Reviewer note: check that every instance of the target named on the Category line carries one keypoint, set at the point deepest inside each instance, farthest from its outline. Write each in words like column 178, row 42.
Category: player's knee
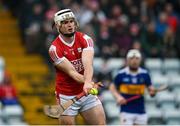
column 66, row 121
column 102, row 122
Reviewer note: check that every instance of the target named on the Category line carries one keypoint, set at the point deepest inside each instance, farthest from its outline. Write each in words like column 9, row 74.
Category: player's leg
column 127, row 119
column 141, row 119
column 68, row 116
column 92, row 111
column 94, row 116
column 67, row 120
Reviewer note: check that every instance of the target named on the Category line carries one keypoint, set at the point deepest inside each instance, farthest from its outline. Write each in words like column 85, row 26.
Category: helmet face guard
column 63, row 15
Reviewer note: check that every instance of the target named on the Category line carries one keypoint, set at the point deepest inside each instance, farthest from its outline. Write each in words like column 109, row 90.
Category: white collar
column 68, row 44
column 129, row 72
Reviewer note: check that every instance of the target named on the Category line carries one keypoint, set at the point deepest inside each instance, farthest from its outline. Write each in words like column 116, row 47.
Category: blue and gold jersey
column 130, row 84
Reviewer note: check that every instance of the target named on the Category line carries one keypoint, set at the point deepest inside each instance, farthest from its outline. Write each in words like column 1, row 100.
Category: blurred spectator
column 49, row 31
column 65, row 3
column 177, row 43
column 105, row 5
column 33, row 34
column 151, row 41
column 172, row 18
column 137, row 45
column 144, row 22
column 91, row 11
column 104, row 40
column 152, row 8
column 169, row 43
column 134, row 31
column 25, row 10
column 134, row 14
column 161, row 24
column 106, row 52
column 8, row 94
column 115, row 15
column 119, row 30
column 104, row 37
column 98, row 15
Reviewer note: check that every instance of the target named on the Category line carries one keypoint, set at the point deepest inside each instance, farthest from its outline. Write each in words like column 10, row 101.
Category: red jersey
column 59, row 50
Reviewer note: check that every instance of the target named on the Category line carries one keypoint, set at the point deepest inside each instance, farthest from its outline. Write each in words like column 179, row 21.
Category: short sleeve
column 148, row 80
column 87, row 43
column 117, row 80
column 55, row 55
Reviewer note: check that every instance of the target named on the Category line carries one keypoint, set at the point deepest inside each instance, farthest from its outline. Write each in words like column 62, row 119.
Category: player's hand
column 152, row 91
column 97, row 85
column 121, row 100
column 87, row 86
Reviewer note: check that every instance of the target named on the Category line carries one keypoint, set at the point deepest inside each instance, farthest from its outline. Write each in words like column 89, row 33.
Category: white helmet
column 133, row 53
column 63, row 15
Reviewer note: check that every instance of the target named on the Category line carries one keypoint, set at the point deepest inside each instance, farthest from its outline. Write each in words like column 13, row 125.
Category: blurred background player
column 130, row 81
column 72, row 54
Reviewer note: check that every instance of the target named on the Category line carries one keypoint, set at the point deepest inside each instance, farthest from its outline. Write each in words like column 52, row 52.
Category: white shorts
column 83, row 104
column 131, row 118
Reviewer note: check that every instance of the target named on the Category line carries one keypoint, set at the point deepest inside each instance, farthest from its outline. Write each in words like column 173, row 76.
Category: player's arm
column 87, row 60
column 151, row 90
column 114, row 91
column 119, row 98
column 64, row 64
column 149, row 85
column 68, row 68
